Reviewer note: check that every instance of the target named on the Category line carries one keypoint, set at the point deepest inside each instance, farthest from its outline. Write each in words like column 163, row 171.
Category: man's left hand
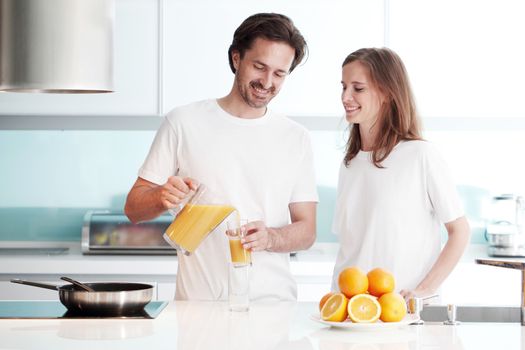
column 258, row 237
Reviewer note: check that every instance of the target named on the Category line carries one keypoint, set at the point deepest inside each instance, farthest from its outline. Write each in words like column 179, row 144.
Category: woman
column 394, row 190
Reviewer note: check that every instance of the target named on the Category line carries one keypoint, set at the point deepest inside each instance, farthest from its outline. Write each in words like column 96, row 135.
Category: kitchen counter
column 317, row 261
column 312, row 268
column 209, row 325
column 469, row 283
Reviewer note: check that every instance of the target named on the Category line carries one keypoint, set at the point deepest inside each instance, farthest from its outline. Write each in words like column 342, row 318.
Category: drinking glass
column 236, row 230
column 239, row 267
column 239, row 287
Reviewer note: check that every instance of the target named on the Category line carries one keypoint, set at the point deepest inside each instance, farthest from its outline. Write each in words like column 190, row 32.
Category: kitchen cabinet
column 135, row 73
column 13, row 291
column 157, row 270
column 166, row 290
column 196, row 38
column 453, row 56
column 164, row 56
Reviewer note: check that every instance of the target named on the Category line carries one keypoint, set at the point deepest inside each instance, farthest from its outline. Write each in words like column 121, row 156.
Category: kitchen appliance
column 54, row 309
column 505, row 231
column 106, row 232
column 56, row 46
column 107, row 298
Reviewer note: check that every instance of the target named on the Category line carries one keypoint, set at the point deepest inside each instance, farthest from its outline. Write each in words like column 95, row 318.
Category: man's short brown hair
column 270, row 26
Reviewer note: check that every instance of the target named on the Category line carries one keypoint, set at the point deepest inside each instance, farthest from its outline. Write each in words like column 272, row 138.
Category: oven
column 108, row 232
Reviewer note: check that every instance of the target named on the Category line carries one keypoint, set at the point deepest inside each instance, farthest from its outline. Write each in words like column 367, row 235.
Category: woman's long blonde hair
column 398, row 119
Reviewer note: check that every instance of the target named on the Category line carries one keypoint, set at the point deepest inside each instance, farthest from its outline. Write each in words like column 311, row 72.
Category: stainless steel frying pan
column 108, row 298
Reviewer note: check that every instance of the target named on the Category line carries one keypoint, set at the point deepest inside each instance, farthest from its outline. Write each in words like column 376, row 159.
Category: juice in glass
column 236, row 231
column 238, row 253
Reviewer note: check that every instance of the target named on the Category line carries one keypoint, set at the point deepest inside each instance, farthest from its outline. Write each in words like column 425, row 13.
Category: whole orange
column 352, row 281
column 393, row 307
column 380, row 281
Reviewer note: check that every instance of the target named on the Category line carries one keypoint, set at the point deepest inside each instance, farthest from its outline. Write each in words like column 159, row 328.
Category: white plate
column 408, row 319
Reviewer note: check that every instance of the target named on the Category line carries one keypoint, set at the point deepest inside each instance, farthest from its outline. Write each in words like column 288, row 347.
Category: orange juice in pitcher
column 194, row 222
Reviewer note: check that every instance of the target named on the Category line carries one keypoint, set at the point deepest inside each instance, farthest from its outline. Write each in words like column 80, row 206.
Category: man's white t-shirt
column 259, row 166
column 391, row 217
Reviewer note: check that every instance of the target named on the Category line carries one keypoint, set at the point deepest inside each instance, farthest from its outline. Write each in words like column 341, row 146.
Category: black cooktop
column 55, row 309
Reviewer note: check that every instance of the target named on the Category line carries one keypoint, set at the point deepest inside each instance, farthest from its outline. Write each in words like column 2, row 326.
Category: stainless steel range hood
column 56, row 46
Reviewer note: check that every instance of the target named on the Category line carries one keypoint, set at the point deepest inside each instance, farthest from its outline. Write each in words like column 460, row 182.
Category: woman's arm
column 458, row 239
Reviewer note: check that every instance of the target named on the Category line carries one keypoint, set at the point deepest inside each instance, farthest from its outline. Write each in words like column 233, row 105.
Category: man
column 250, row 158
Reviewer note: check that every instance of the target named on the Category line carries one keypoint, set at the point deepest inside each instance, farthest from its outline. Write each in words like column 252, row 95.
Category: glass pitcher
column 520, row 214
column 508, row 209
column 195, row 221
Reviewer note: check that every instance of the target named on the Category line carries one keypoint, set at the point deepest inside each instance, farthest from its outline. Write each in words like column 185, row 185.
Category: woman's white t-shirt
column 259, row 166
column 390, row 217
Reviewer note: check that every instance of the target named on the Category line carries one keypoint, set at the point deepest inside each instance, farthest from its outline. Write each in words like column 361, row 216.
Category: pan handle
column 36, row 284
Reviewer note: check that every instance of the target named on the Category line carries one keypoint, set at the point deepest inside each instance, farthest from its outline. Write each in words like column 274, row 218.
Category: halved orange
column 335, row 308
column 324, row 299
column 364, row 308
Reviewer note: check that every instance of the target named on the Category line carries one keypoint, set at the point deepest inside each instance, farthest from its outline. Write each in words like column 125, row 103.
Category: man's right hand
column 147, row 200
column 173, row 192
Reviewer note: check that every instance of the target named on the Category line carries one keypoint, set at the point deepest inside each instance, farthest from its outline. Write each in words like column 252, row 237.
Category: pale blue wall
column 49, row 179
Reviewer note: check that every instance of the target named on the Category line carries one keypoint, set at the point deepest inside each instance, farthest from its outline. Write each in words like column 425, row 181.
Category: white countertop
column 318, row 260
column 469, row 283
column 209, row 325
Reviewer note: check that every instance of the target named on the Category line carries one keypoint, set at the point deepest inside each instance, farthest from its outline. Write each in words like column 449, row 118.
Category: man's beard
column 255, row 102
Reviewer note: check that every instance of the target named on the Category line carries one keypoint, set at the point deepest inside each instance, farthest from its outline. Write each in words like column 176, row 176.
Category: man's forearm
column 299, row 235
column 142, row 204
